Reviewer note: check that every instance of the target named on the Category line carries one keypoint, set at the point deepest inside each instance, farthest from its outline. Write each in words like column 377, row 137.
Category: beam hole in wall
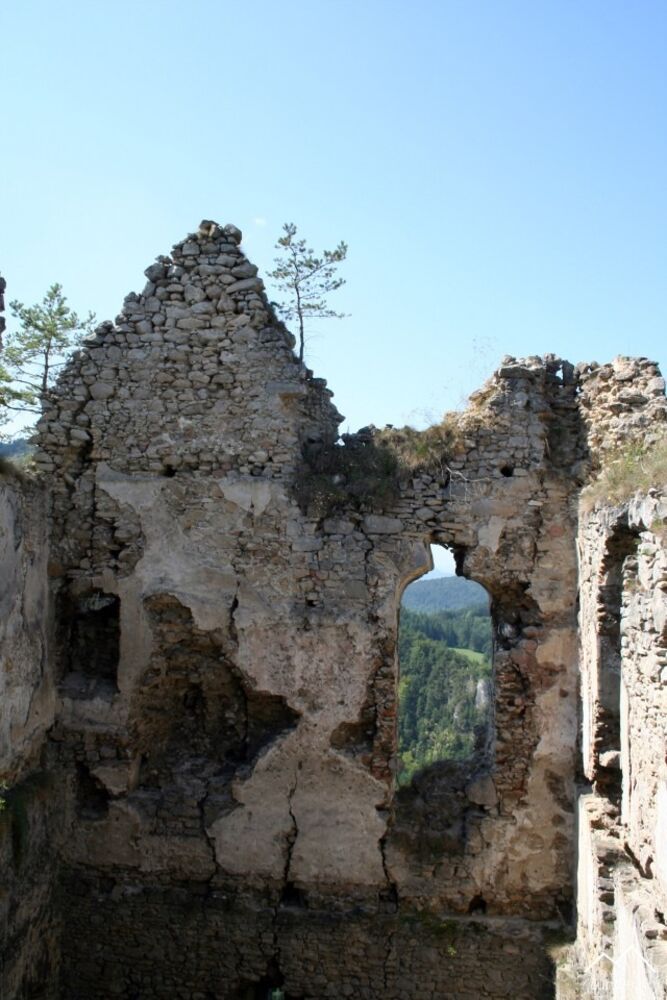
column 477, row 905
column 445, row 688
column 294, row 897
column 507, row 471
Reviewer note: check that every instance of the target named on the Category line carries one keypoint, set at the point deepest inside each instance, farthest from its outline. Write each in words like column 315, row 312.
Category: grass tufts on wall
column 634, row 468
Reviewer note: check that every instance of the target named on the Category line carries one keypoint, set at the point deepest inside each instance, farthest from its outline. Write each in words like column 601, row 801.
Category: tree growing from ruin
column 32, row 356
column 306, row 280
column 5, row 377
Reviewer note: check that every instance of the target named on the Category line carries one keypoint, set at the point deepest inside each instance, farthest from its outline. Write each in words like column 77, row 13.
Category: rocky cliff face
column 225, row 584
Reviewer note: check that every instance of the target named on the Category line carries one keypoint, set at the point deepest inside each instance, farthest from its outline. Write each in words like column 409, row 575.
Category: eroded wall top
column 196, row 375
column 621, row 402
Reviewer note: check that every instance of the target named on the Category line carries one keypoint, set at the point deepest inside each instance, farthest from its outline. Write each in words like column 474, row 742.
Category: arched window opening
column 445, row 688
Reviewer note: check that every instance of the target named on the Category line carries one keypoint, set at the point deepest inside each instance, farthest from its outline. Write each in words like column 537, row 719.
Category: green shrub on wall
column 626, row 471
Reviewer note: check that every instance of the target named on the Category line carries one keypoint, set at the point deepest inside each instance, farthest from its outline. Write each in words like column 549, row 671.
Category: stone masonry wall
column 225, row 586
column 162, row 942
column 174, row 442
column 621, row 946
column 620, row 402
column 30, row 917
column 29, row 825
column 27, row 689
column 226, row 648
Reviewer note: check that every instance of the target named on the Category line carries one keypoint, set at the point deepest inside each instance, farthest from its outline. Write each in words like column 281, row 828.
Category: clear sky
column 497, row 167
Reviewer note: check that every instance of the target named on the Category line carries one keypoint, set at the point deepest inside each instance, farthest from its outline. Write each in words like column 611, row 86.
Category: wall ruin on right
column 621, row 893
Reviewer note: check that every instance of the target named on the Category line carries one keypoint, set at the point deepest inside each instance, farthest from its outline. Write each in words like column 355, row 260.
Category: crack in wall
column 210, row 841
column 391, row 896
column 233, row 635
column 290, row 841
column 291, row 837
column 233, row 608
column 388, row 955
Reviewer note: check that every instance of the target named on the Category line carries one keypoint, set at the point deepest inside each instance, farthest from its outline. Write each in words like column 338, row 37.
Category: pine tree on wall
column 306, row 280
column 33, row 355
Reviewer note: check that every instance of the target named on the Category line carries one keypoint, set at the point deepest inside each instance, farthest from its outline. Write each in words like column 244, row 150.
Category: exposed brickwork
column 160, row 942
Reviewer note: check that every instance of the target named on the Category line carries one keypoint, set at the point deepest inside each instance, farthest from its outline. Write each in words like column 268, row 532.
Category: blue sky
column 497, row 169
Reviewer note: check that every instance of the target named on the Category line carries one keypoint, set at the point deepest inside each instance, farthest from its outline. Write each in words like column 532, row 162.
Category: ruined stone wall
column 226, row 637
column 161, row 942
column 471, row 847
column 29, row 824
column 621, row 946
column 27, row 690
column 620, row 402
column 225, row 585
column 30, row 916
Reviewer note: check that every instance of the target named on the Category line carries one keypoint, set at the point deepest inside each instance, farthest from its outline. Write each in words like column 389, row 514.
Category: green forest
column 443, row 656
column 444, row 593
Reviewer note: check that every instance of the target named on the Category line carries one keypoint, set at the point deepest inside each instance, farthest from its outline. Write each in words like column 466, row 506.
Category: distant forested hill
column 445, row 689
column 445, row 685
column 447, row 593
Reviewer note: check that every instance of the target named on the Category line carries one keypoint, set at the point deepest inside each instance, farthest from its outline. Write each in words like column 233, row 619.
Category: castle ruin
column 199, row 677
